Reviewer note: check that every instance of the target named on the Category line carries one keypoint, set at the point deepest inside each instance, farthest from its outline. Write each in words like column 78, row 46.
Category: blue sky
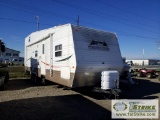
column 136, row 22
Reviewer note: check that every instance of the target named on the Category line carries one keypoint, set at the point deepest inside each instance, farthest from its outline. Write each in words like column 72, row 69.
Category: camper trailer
column 70, row 55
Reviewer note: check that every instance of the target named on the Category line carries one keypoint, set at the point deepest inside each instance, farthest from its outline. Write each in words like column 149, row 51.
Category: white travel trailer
column 71, row 55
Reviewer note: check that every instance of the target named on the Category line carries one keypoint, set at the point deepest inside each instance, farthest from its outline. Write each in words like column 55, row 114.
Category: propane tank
column 109, row 80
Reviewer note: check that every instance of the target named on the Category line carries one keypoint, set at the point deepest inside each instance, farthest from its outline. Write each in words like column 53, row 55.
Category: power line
column 142, row 4
column 124, row 33
column 23, row 21
column 90, row 23
column 16, row 5
column 100, row 14
column 102, row 2
column 138, row 36
column 77, row 7
column 120, row 33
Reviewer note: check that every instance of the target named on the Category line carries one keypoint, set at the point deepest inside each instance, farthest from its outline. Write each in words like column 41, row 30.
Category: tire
column 6, row 79
column 149, row 75
column 139, row 74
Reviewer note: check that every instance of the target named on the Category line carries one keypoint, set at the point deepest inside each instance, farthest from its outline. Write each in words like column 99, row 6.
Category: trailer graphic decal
column 45, row 63
column 51, row 66
column 67, row 58
column 98, row 45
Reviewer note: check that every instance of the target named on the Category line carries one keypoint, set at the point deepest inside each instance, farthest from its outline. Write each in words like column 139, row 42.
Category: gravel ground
column 23, row 101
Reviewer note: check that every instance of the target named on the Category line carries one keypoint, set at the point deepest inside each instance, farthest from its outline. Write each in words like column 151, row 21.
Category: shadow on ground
column 18, row 84
column 145, row 89
column 88, row 91
column 68, row 107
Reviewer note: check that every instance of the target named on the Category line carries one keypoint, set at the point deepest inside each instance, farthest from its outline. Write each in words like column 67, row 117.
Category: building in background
column 143, row 62
column 9, row 55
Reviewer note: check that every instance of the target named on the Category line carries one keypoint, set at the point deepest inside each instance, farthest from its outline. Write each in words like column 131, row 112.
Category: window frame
column 36, row 53
column 58, row 50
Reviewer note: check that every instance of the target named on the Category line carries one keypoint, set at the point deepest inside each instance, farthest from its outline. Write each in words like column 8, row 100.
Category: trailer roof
column 81, row 27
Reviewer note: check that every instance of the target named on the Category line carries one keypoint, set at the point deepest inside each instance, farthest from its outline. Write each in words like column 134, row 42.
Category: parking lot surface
column 22, row 100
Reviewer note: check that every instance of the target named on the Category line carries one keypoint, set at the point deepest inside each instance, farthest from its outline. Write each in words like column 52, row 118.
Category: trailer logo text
column 98, row 45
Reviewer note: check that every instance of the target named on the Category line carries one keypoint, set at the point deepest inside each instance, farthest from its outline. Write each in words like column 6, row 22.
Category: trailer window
column 36, row 53
column 58, row 50
column 42, row 48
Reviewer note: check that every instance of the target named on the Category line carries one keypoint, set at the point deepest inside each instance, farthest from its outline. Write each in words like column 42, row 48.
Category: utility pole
column 37, row 18
column 143, row 53
column 77, row 21
column 143, row 58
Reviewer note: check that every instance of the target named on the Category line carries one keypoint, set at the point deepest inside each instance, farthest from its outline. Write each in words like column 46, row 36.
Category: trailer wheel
column 149, row 75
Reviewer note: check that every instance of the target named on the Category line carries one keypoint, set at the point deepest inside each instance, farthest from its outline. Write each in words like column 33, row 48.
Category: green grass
column 15, row 71
column 17, row 74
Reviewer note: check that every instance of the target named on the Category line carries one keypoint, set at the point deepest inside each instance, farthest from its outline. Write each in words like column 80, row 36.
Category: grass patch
column 15, row 71
column 17, row 74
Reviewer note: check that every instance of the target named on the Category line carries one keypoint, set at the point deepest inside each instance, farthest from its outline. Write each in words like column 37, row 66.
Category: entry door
column 43, row 59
